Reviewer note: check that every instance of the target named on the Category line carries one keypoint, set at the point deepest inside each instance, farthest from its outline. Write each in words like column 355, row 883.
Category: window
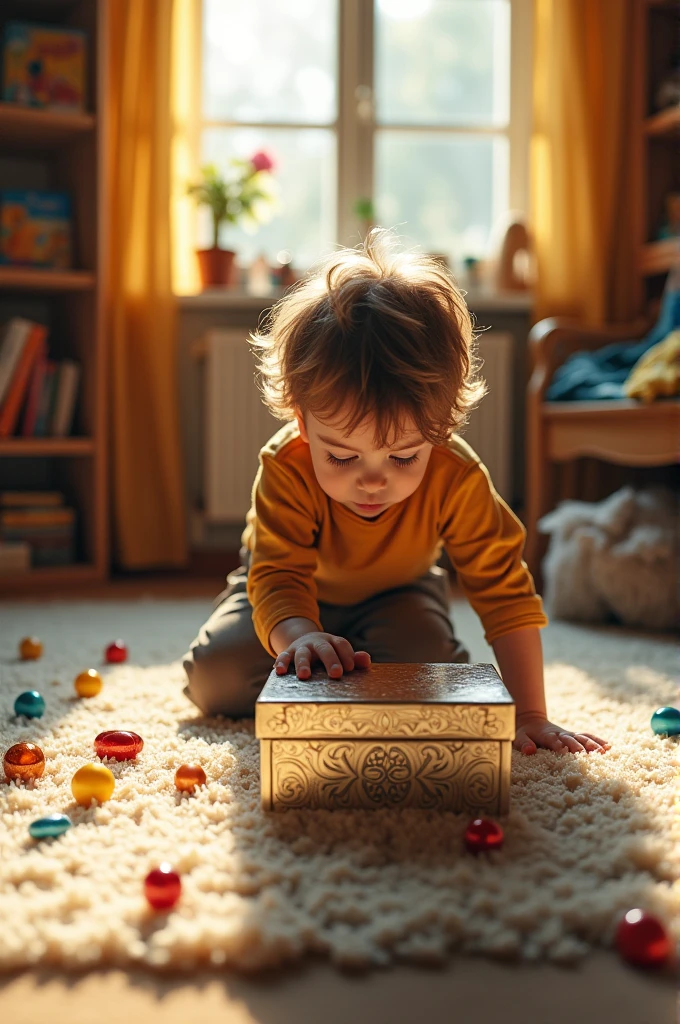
column 415, row 104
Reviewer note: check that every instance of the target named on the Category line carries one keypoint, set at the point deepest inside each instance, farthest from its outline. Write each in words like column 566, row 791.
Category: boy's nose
column 372, row 486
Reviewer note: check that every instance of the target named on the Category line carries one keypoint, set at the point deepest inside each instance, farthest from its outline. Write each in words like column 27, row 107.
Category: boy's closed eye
column 334, row 461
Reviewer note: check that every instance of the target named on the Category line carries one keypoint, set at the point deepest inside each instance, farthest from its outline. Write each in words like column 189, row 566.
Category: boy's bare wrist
column 530, row 714
column 287, row 630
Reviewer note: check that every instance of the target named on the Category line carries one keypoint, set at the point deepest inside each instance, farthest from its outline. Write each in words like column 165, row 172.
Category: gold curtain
column 148, row 497
column 580, row 160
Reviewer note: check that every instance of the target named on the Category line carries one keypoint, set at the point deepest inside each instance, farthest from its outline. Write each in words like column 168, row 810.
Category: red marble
column 188, row 776
column 24, row 761
column 641, row 939
column 116, row 652
column 118, row 744
column 483, row 834
column 162, row 887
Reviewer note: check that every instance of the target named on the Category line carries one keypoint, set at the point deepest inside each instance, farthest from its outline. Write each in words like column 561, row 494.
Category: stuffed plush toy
column 616, row 560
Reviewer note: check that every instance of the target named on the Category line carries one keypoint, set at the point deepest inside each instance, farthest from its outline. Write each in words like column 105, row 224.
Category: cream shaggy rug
column 588, row 836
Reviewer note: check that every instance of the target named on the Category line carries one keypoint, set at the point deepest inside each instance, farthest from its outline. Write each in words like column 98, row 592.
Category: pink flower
column 262, row 161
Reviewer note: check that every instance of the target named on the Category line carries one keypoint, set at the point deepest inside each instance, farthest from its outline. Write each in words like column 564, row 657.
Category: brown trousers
column 227, row 666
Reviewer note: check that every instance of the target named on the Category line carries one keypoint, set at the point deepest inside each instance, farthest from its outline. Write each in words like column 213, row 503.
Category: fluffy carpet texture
column 587, row 838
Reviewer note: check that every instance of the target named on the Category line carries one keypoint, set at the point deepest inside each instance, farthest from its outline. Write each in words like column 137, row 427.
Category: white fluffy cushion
column 616, row 558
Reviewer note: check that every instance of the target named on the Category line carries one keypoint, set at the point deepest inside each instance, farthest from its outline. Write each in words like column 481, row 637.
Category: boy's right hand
column 334, row 651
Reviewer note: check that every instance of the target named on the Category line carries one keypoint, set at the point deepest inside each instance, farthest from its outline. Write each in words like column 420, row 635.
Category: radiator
column 489, row 430
column 237, row 423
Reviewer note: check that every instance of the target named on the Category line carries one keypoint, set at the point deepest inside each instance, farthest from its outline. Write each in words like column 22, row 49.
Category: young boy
column 371, row 361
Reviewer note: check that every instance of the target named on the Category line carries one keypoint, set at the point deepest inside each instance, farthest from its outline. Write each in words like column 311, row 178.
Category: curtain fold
column 580, row 160
column 147, row 479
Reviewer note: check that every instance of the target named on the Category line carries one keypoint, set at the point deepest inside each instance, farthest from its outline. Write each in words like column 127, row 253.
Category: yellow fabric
column 581, row 181
column 657, row 372
column 147, row 477
column 305, row 547
column 186, row 100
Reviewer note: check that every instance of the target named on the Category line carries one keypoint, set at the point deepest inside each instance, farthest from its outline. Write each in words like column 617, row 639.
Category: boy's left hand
column 539, row 732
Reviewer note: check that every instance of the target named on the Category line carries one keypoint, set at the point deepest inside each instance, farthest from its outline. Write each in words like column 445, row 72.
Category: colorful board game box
column 35, row 228
column 44, row 66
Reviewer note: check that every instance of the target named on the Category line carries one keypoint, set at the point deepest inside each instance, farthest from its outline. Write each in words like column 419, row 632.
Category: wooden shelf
column 46, row 446
column 666, row 122
column 56, row 576
column 40, row 130
column 66, row 153
column 658, row 257
column 38, row 280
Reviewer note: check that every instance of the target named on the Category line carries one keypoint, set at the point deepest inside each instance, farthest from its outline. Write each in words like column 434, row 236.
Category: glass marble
column 92, row 780
column 88, row 684
column 24, row 761
column 30, row 648
column 116, row 652
column 666, row 721
column 188, row 776
column 118, row 744
column 30, row 703
column 641, row 939
column 162, row 887
column 483, row 834
column 52, row 825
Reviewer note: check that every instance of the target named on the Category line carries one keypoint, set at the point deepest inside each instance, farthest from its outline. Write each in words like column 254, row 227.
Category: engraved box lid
column 417, row 701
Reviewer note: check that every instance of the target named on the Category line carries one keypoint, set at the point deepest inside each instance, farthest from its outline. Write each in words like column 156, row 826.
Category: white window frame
column 355, row 126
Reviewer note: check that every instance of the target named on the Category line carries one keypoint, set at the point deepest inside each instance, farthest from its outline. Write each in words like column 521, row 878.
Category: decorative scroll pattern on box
column 454, row 775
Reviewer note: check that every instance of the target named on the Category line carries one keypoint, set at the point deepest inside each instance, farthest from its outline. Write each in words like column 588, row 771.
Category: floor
column 469, row 990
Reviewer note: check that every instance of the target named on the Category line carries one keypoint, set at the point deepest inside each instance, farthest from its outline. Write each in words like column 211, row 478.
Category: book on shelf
column 35, row 228
column 46, row 400
column 15, row 557
column 44, row 66
column 65, row 398
column 49, row 532
column 31, row 499
column 9, row 413
column 38, row 393
column 12, row 342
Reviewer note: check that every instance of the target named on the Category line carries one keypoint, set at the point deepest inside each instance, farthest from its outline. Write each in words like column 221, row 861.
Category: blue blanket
column 601, row 374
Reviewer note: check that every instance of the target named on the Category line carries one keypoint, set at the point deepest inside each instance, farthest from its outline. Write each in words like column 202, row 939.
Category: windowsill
column 478, row 300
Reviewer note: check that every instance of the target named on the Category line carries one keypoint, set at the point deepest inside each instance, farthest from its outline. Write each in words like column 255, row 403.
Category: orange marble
column 30, row 648
column 24, row 761
column 188, row 776
column 88, row 684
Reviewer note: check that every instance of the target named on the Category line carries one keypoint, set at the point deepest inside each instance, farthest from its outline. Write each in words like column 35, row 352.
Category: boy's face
column 364, row 475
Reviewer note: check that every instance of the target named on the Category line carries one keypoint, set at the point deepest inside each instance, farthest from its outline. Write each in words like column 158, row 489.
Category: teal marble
column 53, row 825
column 666, row 722
column 30, row 704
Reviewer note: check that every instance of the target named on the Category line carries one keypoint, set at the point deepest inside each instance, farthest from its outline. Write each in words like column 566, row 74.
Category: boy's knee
column 222, row 681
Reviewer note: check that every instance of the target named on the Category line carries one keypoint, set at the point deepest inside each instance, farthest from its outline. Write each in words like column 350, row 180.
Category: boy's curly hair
column 387, row 332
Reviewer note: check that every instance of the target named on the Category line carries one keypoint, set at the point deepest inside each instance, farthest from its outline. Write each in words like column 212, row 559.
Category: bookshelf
column 656, row 146
column 41, row 149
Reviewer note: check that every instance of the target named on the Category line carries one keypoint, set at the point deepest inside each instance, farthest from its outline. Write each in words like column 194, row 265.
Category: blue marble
column 666, row 722
column 53, row 825
column 30, row 704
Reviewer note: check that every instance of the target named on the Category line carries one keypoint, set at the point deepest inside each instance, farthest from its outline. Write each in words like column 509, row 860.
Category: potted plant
column 245, row 195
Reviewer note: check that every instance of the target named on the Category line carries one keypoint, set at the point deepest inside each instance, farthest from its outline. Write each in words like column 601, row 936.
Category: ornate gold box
column 393, row 735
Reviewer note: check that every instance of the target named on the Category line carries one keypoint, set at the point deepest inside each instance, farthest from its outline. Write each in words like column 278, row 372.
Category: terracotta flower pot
column 216, row 266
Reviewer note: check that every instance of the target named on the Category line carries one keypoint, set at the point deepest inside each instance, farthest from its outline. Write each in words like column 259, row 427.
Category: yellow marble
column 88, row 684
column 92, row 780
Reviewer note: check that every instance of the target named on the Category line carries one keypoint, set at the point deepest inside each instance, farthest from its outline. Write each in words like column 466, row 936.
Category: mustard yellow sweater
column 306, row 547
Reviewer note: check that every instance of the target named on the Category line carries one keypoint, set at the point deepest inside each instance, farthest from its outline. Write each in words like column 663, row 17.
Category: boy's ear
column 299, row 416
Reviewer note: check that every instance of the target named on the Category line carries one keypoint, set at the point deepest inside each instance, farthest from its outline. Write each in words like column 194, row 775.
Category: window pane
column 442, row 192
column 270, row 61
column 443, row 62
column 305, row 171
